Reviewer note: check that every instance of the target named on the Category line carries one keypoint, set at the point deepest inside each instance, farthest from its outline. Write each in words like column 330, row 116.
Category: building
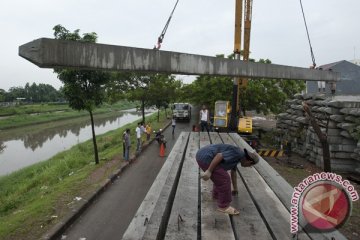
column 350, row 79
column 356, row 61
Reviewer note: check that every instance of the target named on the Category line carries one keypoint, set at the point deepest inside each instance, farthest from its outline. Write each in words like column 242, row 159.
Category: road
column 109, row 217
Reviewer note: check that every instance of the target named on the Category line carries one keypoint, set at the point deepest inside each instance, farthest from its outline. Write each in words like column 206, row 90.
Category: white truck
column 182, row 111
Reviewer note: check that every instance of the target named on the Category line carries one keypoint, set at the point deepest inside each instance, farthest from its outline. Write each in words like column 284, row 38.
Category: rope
column 162, row 35
column 307, row 32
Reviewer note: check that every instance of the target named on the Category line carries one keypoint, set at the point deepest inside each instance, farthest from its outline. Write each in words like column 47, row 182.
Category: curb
column 56, row 231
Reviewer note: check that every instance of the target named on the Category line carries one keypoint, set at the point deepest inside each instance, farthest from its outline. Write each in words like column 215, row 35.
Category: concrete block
column 319, row 97
column 353, row 119
column 297, row 107
column 350, row 127
column 342, row 148
column 282, row 115
column 331, row 111
column 346, row 102
column 351, row 111
column 341, row 155
column 337, row 118
column 331, row 124
column 307, row 96
column 355, row 156
column 302, row 120
column 346, row 134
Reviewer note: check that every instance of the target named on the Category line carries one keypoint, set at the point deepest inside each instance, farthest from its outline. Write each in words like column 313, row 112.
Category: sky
column 203, row 27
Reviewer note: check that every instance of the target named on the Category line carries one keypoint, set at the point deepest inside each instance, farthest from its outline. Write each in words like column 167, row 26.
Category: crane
column 225, row 116
column 242, row 8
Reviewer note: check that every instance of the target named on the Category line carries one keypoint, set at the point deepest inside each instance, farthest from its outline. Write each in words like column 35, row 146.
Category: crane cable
column 307, row 32
column 162, row 35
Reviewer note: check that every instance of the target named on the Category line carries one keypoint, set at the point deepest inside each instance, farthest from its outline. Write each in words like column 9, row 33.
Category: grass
column 60, row 112
column 33, row 108
column 35, row 198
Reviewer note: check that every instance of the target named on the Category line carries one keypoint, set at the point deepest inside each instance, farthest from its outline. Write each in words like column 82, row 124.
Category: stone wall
column 340, row 115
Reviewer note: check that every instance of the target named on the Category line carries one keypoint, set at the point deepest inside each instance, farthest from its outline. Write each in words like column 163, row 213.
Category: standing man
column 204, row 118
column 173, row 124
column 123, row 140
column 127, row 144
column 138, row 137
column 215, row 160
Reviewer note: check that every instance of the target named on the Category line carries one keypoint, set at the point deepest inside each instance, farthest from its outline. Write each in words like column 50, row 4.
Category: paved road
column 109, row 217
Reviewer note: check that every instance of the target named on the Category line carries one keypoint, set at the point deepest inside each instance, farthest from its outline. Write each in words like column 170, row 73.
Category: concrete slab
column 50, row 53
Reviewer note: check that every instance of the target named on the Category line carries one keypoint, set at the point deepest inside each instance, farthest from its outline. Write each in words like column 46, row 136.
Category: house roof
column 331, row 65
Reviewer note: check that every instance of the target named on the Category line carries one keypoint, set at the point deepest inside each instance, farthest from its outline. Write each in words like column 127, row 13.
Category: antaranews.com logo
column 322, row 202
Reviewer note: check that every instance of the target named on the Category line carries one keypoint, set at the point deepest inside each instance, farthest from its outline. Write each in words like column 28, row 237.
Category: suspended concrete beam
column 51, row 53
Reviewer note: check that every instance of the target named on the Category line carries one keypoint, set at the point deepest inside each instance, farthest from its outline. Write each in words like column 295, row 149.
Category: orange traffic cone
column 162, row 150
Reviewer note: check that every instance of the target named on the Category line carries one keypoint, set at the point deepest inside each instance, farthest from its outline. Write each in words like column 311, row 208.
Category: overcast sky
column 199, row 26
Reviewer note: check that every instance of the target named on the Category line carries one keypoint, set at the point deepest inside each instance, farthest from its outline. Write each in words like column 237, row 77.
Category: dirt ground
column 295, row 168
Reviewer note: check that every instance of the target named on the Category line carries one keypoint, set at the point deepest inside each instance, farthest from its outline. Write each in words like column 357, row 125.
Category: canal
column 25, row 146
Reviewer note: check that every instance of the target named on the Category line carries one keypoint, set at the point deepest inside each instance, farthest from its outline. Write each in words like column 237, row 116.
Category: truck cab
column 222, row 115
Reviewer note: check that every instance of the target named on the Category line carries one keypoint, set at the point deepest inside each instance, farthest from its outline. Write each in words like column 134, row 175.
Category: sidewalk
column 109, row 216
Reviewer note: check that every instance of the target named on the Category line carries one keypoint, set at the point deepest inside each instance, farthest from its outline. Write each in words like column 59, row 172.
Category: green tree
column 2, row 95
column 268, row 95
column 261, row 95
column 162, row 91
column 84, row 89
column 139, row 90
column 118, row 86
column 41, row 93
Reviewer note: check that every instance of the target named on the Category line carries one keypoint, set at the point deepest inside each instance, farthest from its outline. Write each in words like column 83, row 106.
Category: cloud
column 201, row 27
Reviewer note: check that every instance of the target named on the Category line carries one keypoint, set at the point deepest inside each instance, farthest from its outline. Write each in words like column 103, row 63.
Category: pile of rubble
column 339, row 116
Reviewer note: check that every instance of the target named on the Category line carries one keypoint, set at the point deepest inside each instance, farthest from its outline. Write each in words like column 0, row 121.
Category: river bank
column 43, row 113
column 24, row 146
column 37, row 197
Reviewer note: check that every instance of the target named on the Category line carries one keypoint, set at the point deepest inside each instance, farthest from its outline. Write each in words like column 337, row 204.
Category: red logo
column 326, row 206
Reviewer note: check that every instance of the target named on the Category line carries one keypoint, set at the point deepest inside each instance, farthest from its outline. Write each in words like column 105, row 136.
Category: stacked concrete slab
column 339, row 116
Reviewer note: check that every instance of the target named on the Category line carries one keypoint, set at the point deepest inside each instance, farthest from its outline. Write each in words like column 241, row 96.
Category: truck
column 182, row 111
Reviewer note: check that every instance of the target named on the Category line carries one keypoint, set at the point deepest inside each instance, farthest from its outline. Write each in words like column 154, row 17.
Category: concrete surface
column 109, row 217
column 50, row 53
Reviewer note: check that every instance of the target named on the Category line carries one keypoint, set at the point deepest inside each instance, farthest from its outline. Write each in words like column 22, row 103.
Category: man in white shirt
column 138, row 137
column 204, row 118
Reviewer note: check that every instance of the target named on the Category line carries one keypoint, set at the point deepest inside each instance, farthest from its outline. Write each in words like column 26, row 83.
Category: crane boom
column 238, row 26
column 243, row 8
column 247, row 28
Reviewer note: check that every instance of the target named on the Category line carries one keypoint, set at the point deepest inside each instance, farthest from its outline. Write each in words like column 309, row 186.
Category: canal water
column 23, row 147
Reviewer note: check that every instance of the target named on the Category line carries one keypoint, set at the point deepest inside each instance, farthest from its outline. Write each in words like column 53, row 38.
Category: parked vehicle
column 182, row 111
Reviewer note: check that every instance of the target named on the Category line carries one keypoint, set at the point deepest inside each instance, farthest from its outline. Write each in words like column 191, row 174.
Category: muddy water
column 22, row 147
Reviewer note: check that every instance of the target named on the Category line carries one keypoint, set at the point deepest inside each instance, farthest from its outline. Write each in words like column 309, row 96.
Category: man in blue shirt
column 215, row 160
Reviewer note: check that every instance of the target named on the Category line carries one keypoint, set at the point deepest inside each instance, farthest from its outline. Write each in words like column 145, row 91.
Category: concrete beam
column 51, row 53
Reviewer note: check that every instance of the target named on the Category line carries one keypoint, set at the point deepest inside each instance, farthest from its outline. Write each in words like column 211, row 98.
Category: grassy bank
column 37, row 197
column 33, row 108
column 60, row 112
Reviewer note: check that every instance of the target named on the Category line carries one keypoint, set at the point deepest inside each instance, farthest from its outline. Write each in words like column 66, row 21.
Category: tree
column 139, row 90
column 118, row 86
column 84, row 89
column 268, row 95
column 261, row 95
column 152, row 90
column 2, row 95
column 162, row 90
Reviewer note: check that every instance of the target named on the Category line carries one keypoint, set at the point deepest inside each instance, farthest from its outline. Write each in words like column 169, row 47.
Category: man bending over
column 215, row 160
